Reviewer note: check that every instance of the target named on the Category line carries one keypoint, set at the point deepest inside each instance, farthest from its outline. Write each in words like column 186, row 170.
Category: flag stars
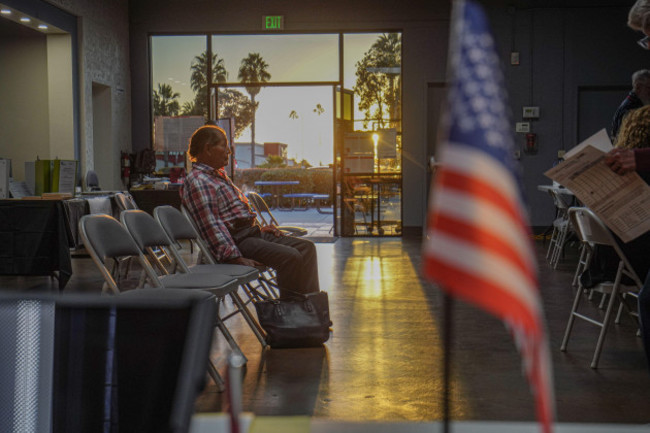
column 479, row 104
column 495, row 139
column 486, row 120
column 466, row 124
column 476, row 55
column 471, row 88
column 483, row 71
column 490, row 88
column 485, row 40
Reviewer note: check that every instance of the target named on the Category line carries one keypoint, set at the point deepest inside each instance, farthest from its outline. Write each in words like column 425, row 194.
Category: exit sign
column 273, row 22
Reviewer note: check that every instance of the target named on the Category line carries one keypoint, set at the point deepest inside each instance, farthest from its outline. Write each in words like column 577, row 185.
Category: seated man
column 227, row 222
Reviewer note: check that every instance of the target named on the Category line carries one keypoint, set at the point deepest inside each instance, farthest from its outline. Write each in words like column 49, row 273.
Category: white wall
column 104, row 55
column 24, row 106
column 59, row 80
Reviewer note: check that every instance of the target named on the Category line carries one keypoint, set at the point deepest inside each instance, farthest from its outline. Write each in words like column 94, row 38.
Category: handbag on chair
column 302, row 320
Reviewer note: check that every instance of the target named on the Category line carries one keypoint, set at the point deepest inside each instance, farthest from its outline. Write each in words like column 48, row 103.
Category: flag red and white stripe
column 478, row 245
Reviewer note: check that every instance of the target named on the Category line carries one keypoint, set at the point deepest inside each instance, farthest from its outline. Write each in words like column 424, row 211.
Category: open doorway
column 291, row 164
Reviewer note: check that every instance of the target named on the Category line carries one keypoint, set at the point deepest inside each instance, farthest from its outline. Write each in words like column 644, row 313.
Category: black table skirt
column 35, row 239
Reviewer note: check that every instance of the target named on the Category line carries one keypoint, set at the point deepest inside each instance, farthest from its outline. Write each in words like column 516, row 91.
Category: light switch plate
column 522, row 127
column 530, row 113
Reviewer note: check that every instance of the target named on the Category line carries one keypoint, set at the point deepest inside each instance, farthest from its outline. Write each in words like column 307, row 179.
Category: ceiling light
column 5, row 12
column 42, row 26
column 25, row 20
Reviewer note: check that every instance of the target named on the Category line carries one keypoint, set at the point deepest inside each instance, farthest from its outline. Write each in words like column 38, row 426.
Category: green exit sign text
column 273, row 22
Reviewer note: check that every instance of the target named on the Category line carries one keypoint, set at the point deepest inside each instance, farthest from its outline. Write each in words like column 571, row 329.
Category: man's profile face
column 216, row 151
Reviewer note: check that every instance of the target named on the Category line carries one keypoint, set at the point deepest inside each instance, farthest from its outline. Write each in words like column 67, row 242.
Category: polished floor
column 383, row 360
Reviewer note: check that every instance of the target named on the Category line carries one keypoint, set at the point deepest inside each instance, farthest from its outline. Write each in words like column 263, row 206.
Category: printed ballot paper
column 621, row 202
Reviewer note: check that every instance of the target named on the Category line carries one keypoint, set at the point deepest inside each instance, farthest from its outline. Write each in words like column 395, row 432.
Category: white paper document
column 599, row 140
column 621, row 202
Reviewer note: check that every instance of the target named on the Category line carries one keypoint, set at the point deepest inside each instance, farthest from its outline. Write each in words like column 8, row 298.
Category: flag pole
column 448, row 308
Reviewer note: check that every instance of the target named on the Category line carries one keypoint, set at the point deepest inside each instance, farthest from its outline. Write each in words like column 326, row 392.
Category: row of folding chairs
column 143, row 238
column 561, row 228
column 267, row 278
column 593, row 234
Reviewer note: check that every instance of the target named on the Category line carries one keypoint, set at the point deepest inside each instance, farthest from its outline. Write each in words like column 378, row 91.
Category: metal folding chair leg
column 604, row 325
column 559, row 244
column 228, row 336
column 252, row 323
column 583, row 261
column 216, row 377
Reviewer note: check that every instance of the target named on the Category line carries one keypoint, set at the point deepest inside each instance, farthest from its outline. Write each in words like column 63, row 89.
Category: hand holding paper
column 621, row 201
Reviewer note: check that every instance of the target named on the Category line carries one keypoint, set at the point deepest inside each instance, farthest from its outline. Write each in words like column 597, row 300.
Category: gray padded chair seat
column 219, row 285
column 243, row 273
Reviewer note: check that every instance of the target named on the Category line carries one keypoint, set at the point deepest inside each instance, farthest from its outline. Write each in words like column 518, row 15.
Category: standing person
column 639, row 19
column 623, row 161
column 227, row 222
column 637, row 98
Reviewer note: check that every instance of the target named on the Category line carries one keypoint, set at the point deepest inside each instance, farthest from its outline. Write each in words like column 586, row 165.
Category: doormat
column 322, row 239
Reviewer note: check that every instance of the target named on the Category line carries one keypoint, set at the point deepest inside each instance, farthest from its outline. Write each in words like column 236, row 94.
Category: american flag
column 478, row 245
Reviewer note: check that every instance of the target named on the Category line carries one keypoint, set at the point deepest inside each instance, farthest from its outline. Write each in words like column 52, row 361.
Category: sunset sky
column 291, row 58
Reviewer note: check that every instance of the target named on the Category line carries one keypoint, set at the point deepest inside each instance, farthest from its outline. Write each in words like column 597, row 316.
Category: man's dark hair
column 201, row 137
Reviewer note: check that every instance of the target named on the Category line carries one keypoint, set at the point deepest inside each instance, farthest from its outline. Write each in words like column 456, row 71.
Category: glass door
column 369, row 137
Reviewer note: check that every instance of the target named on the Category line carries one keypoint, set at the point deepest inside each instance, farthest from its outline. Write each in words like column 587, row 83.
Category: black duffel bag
column 302, row 320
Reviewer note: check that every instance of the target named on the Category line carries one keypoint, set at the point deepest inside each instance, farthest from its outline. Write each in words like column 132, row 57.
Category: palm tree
column 253, row 70
column 190, row 108
column 378, row 83
column 199, row 78
column 165, row 101
column 294, row 116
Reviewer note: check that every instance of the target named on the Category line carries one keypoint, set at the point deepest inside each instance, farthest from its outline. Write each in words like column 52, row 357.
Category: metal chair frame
column 561, row 227
column 262, row 208
column 106, row 239
column 592, row 231
column 264, row 287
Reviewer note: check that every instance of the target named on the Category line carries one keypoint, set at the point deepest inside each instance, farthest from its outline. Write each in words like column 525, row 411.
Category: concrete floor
column 383, row 360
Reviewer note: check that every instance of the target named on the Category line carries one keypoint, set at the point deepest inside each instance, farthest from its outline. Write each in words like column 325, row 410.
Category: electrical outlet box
column 514, row 58
column 530, row 113
column 522, row 127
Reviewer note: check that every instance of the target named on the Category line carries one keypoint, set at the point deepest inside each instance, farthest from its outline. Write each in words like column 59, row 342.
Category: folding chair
column 561, row 227
column 107, row 241
column 261, row 208
column 124, row 201
column 180, row 227
column 592, row 231
column 149, row 234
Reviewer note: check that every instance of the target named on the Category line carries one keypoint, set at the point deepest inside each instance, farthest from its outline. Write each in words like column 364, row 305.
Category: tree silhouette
column 379, row 81
column 165, row 101
column 199, row 78
column 190, row 108
column 293, row 115
column 253, row 70
column 231, row 103
column 319, row 109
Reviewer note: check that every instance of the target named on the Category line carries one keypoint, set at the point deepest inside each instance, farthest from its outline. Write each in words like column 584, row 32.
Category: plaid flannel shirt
column 215, row 204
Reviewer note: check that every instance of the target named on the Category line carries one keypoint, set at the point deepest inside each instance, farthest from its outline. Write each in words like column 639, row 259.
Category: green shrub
column 315, row 181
